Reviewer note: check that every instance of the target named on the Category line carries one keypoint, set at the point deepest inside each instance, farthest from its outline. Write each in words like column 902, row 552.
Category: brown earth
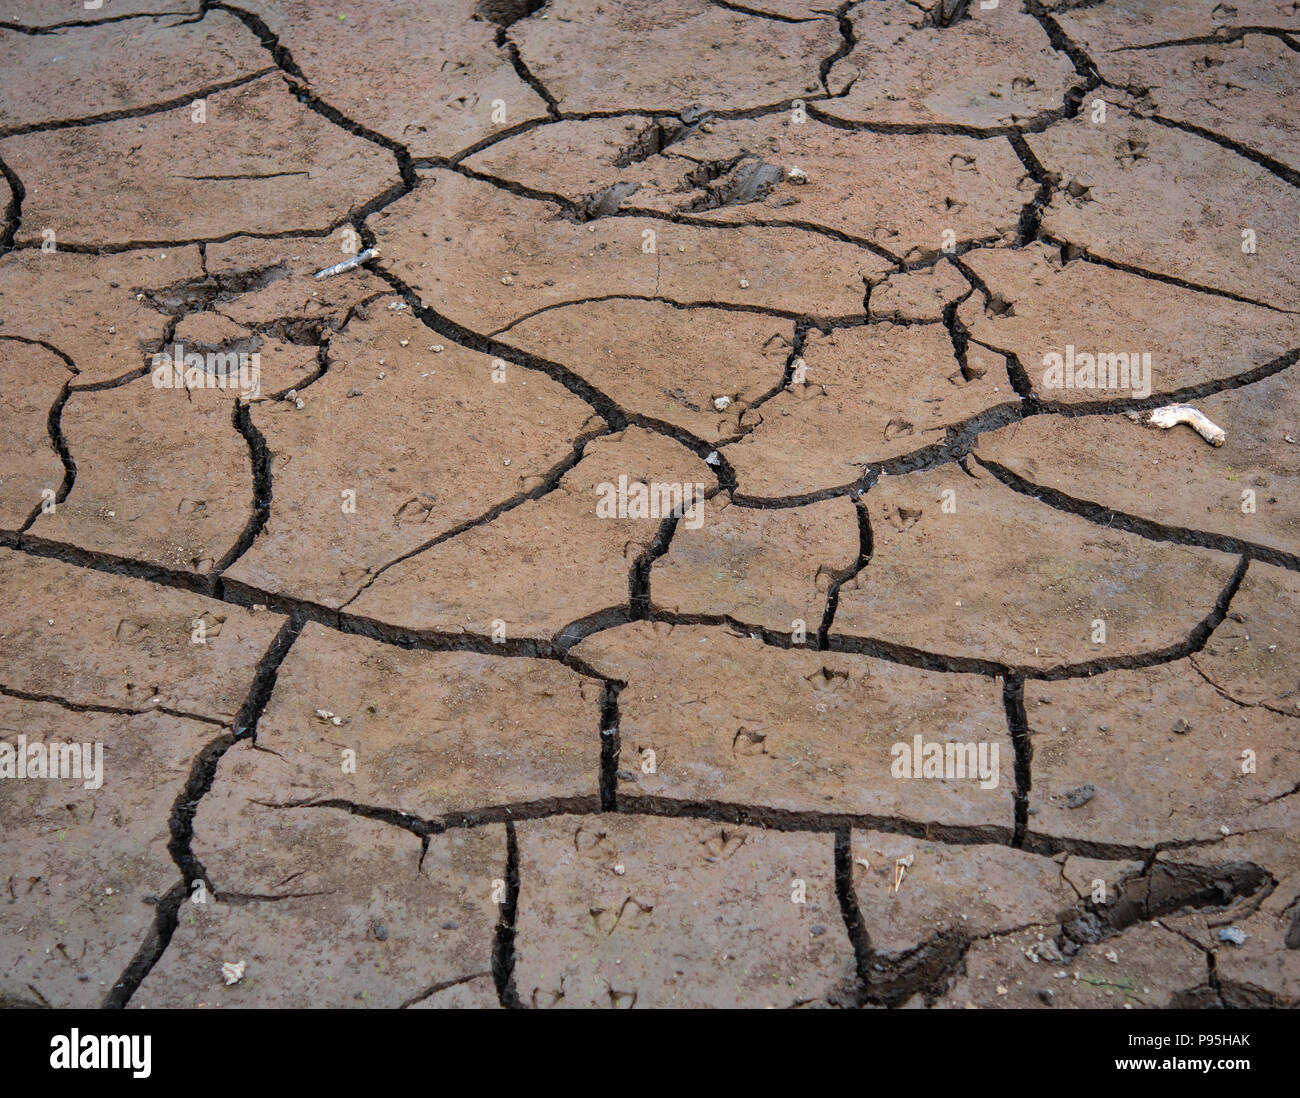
column 552, row 616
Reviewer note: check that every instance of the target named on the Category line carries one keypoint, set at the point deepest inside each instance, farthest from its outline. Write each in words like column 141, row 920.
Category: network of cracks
column 392, row 717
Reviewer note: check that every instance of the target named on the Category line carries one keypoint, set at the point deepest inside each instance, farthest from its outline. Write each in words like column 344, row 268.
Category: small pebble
column 1077, row 798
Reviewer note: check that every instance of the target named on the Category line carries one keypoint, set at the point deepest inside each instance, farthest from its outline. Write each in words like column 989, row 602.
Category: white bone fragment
column 1173, row 414
column 348, row 264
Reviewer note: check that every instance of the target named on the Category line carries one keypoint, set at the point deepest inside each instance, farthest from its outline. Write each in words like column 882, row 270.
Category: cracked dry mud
column 395, row 712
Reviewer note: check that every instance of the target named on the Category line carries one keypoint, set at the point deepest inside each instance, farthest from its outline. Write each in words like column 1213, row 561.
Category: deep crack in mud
column 418, row 659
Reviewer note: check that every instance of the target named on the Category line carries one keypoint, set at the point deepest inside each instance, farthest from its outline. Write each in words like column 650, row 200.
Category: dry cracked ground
column 412, row 684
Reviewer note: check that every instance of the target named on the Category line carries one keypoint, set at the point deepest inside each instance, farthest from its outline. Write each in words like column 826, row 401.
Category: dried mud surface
column 397, row 709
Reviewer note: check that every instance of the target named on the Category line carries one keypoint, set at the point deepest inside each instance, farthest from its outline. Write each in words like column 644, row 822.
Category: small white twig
column 348, row 264
column 1173, row 414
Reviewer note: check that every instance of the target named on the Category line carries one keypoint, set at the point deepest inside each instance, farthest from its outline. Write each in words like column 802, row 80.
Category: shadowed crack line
column 731, row 812
column 1200, row 636
column 603, row 405
column 1228, row 696
column 1222, row 36
column 159, row 935
column 62, row 355
column 550, row 482
column 394, row 817
column 181, row 823
column 1062, row 43
column 639, row 600
column 854, row 927
column 720, row 306
column 1078, row 252
column 717, row 113
column 775, row 17
column 260, row 462
column 751, row 411
column 931, row 661
column 959, row 440
column 1031, row 215
column 13, row 214
column 117, row 247
column 400, row 153
column 265, row 36
column 610, row 745
column 526, row 74
column 204, row 770
column 929, row 258
column 57, row 28
column 581, row 213
column 238, row 594
column 162, row 107
column 443, row 985
column 1013, row 700
column 115, row 710
column 848, row 39
column 503, row 943
column 54, row 428
column 1037, row 124
column 1107, row 517
column 1276, row 167
column 1035, row 406
column 1156, row 892
column 865, row 549
column 769, row 818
